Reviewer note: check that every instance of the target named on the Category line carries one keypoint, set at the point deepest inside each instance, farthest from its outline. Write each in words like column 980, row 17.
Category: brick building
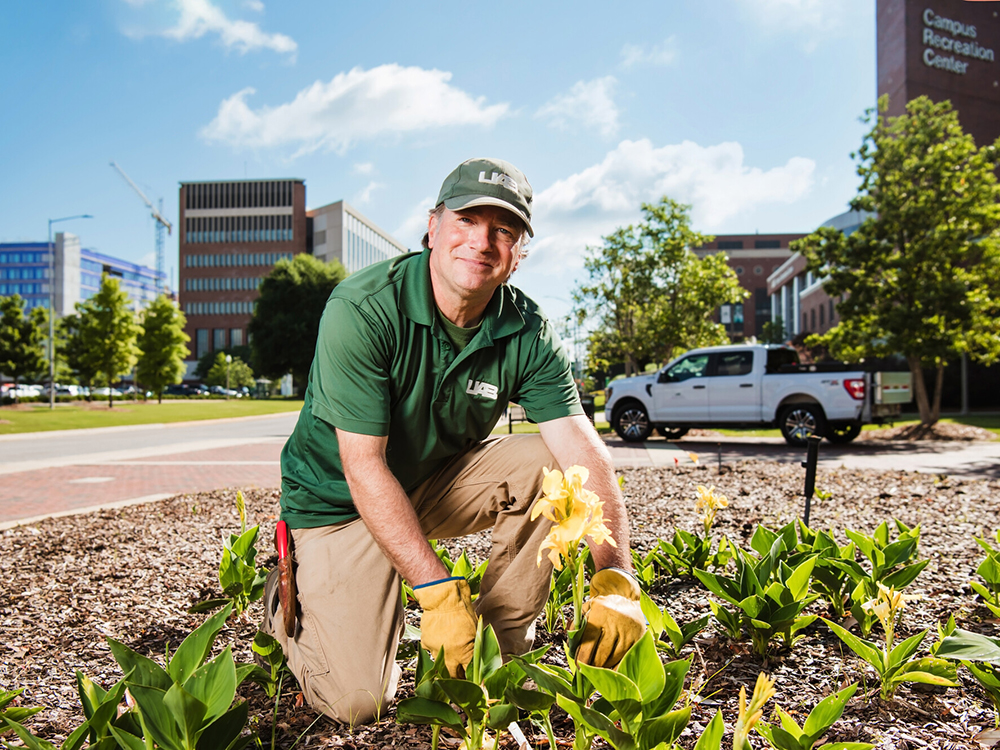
column 753, row 257
column 232, row 234
column 944, row 49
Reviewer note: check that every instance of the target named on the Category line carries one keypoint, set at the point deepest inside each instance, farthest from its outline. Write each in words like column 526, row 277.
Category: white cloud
column 811, row 21
column 255, row 5
column 364, row 168
column 577, row 211
column 366, row 193
column 201, row 17
column 357, row 105
column 658, row 54
column 415, row 225
column 588, row 102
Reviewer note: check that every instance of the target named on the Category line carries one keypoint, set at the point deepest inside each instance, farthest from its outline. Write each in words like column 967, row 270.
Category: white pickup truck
column 754, row 386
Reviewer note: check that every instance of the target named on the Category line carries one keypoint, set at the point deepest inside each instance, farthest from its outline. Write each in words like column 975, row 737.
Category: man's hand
column 614, row 619
column 448, row 621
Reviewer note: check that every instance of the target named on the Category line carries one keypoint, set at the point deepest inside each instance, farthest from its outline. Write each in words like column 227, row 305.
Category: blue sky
column 746, row 109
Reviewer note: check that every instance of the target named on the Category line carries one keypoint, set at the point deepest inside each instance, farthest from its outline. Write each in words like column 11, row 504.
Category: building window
column 218, row 339
column 236, row 337
column 758, row 270
column 822, row 311
column 767, row 244
column 805, row 321
column 832, row 311
column 201, row 346
column 812, row 319
column 730, row 244
column 739, row 270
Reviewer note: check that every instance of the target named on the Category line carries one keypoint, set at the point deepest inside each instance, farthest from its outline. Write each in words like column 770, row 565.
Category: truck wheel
column 844, row 433
column 798, row 421
column 672, row 433
column 631, row 422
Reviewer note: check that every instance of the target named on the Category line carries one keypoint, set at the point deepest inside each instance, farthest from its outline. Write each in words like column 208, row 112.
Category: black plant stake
column 812, row 456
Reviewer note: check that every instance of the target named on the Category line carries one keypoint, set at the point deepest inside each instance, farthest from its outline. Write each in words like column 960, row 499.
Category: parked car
column 185, row 389
column 219, row 390
column 754, row 386
column 105, row 392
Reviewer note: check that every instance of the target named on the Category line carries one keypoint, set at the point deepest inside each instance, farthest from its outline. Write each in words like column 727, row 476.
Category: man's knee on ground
column 355, row 707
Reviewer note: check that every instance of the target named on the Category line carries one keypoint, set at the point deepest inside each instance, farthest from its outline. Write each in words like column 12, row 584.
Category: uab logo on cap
column 499, row 179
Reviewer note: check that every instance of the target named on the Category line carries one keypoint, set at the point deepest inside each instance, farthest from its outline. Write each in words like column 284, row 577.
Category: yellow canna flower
column 886, row 606
column 694, row 458
column 750, row 714
column 708, row 503
column 576, row 513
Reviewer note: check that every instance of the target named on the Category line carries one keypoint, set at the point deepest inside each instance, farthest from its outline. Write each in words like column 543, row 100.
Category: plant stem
column 274, row 716
column 577, row 590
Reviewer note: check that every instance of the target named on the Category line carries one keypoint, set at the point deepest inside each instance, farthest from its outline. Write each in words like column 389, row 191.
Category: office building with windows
column 753, row 257
column 339, row 231
column 24, row 270
column 231, row 235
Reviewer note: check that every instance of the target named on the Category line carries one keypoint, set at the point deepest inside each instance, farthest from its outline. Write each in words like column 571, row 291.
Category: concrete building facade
column 340, row 232
column 753, row 257
column 231, row 235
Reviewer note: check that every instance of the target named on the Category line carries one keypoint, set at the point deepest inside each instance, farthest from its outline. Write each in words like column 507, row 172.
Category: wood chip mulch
column 940, row 431
column 131, row 574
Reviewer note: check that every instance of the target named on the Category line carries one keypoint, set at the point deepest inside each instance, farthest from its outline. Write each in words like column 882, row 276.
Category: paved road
column 73, row 471
column 44, row 474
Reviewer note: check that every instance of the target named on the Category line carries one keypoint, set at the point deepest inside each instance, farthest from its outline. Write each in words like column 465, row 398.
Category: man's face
column 475, row 250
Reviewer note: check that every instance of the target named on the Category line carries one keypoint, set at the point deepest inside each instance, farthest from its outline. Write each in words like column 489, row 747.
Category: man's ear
column 432, row 227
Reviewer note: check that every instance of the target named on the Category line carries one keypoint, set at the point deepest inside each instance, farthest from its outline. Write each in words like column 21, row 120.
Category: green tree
column 22, row 340
column 106, row 335
column 239, row 372
column 921, row 278
column 201, row 370
column 162, row 343
column 651, row 295
column 73, row 349
column 285, row 321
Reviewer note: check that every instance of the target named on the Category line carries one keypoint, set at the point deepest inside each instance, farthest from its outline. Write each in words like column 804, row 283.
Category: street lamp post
column 52, row 307
column 229, row 361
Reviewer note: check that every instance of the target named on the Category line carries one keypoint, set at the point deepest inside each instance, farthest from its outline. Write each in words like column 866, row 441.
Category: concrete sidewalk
column 970, row 460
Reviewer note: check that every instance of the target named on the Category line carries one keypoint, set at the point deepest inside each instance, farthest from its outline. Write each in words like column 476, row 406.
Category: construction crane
column 160, row 224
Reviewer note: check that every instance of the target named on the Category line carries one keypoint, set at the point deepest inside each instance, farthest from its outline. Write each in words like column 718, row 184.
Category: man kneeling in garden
column 416, row 360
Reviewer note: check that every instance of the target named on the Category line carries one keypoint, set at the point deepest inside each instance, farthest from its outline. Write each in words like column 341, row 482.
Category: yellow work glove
column 614, row 619
column 447, row 621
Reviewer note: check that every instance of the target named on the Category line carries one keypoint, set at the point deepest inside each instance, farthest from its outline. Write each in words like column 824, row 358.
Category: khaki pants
column 350, row 611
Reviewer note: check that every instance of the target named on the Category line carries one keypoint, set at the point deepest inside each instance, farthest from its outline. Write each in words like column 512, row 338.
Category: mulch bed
column 132, row 573
column 939, row 431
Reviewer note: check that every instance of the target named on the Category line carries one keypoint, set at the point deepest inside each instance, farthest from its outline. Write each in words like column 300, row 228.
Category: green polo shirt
column 385, row 366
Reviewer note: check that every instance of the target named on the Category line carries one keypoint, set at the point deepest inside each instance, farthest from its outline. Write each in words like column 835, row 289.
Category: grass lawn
column 79, row 414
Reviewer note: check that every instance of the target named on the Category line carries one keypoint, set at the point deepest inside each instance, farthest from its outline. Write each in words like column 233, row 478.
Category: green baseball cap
column 488, row 182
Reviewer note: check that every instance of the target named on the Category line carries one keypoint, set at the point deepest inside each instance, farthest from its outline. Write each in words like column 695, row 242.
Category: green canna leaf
column 711, row 738
column 188, row 713
column 194, row 649
column 225, row 730
column 214, row 684
column 865, row 649
column 663, row 729
column 140, row 669
column 964, row 644
column 424, row 711
column 827, row 711
column 641, row 664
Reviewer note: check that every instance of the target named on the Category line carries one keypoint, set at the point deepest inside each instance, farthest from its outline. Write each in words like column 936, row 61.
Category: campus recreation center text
column 960, row 42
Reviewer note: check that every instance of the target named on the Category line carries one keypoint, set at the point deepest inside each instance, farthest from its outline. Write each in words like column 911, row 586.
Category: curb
column 42, row 434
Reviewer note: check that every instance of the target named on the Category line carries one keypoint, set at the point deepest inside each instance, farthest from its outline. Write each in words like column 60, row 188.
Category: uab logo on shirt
column 478, row 388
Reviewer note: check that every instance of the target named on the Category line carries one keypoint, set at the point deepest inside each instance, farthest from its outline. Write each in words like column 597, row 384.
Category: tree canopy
column 22, row 339
column 103, row 339
column 650, row 294
column 207, row 359
column 922, row 277
column 239, row 372
column 163, row 346
column 285, row 322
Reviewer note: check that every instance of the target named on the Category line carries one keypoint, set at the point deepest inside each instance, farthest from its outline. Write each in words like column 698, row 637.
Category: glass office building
column 339, row 231
column 24, row 270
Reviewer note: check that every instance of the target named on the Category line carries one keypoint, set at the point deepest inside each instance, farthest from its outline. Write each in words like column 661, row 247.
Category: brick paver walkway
column 67, row 489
